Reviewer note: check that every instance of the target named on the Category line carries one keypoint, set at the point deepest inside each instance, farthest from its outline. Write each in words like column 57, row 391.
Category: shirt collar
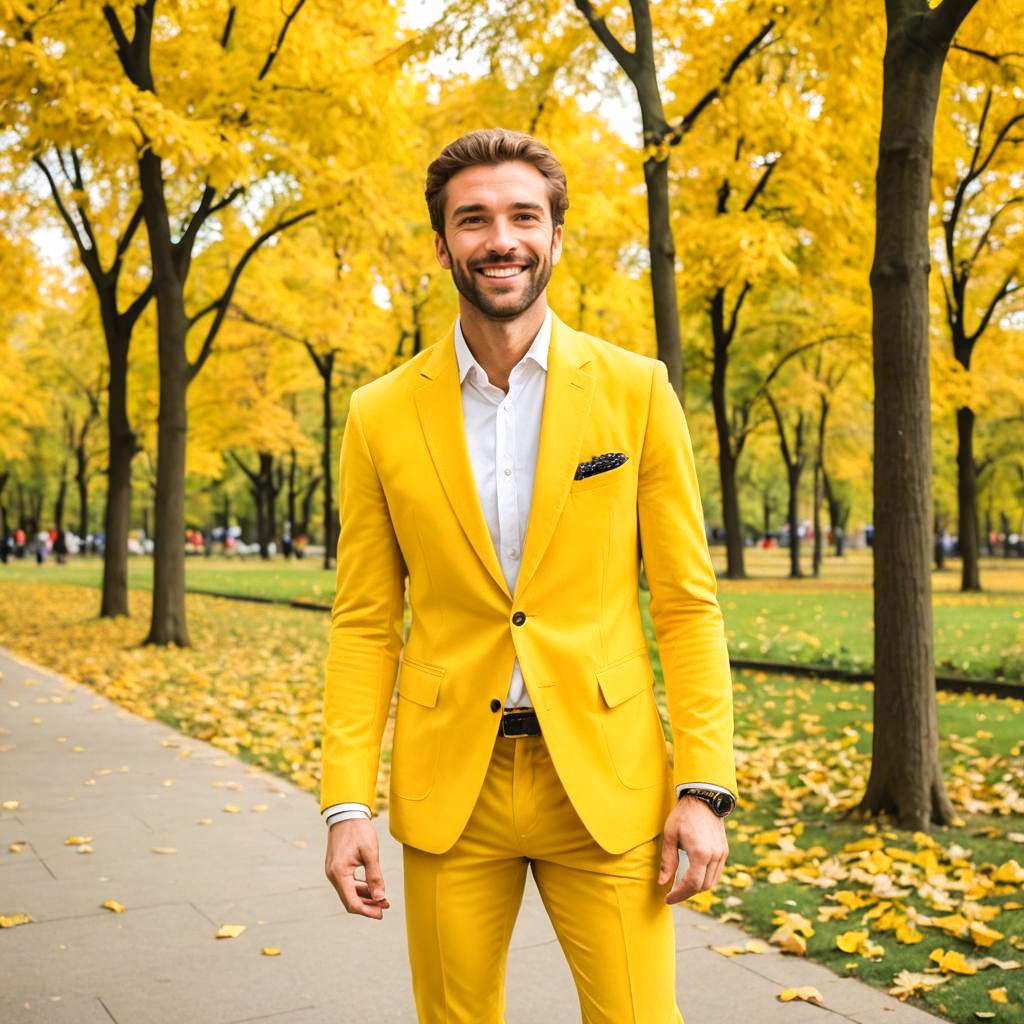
column 538, row 350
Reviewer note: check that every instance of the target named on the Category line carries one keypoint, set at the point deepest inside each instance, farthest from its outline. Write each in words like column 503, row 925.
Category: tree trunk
column 122, row 445
column 793, row 474
column 60, row 543
column 662, row 247
column 307, row 507
column 905, row 777
column 819, row 471
column 292, row 495
column 727, row 457
column 167, row 625
column 82, row 481
column 3, row 518
column 967, row 500
column 330, row 538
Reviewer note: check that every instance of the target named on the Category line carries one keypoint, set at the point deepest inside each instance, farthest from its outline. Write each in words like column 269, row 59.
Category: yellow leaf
column 728, row 950
column 77, row 840
column 808, row 993
column 231, row 808
column 11, row 920
column 1011, row 871
column 908, row 934
column 164, row 849
column 849, row 942
column 17, row 846
column 983, row 935
column 11, row 805
column 906, row 983
column 951, row 962
column 230, row 931
column 998, row 995
column 271, row 951
column 117, row 908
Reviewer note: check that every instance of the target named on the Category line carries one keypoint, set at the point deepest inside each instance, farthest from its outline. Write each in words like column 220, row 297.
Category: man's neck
column 497, row 345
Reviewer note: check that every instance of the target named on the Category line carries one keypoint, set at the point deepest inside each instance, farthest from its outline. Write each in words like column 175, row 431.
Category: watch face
column 723, row 804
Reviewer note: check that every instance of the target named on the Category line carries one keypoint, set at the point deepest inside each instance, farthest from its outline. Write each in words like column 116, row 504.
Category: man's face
column 499, row 241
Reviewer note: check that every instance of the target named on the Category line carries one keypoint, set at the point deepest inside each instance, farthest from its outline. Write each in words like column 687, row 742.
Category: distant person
column 527, row 735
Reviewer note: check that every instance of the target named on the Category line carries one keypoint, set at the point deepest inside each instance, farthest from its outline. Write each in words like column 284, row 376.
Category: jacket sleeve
column 366, row 627
column 687, row 619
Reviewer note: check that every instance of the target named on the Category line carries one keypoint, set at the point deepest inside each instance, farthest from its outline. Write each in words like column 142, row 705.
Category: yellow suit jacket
column 409, row 507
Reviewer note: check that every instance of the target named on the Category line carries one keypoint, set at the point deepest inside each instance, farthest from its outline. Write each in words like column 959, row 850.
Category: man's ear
column 444, row 257
column 556, row 244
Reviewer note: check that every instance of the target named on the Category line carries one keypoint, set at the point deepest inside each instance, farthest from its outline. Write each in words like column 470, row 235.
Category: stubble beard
column 539, row 274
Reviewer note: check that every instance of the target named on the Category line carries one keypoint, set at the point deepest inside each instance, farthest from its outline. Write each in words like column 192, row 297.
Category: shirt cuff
column 702, row 785
column 344, row 812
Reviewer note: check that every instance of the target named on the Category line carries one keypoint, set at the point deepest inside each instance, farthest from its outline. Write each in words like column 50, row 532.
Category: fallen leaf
column 164, row 849
column 12, row 920
column 11, row 805
column 230, row 931
column 907, row 983
column 77, row 840
column 113, row 905
column 17, row 846
column 998, row 995
column 271, row 951
column 231, row 808
column 808, row 993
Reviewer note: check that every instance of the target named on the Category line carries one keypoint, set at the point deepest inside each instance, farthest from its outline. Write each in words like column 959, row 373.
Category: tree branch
column 225, row 36
column 1004, row 290
column 675, row 135
column 89, row 257
column 220, row 305
column 941, row 23
column 761, row 185
column 279, row 42
column 626, row 59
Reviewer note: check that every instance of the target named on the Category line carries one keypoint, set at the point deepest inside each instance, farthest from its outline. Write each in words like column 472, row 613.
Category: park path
column 79, row 765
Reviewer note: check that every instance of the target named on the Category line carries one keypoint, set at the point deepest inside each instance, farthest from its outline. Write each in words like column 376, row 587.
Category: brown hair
column 493, row 146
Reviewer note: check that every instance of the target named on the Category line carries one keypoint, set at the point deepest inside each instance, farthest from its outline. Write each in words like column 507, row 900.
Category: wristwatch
column 721, row 803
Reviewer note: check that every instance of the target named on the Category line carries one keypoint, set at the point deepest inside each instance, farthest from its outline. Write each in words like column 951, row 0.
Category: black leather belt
column 519, row 722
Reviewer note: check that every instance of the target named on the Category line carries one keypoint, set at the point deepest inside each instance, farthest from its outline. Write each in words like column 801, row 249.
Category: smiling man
column 517, row 473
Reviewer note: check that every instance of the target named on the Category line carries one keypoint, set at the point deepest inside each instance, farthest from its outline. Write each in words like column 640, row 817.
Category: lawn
column 800, row 872
column 826, row 621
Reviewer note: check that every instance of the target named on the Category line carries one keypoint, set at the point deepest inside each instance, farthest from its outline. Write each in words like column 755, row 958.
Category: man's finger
column 693, row 880
column 363, row 890
column 374, row 877
column 348, row 887
column 669, row 858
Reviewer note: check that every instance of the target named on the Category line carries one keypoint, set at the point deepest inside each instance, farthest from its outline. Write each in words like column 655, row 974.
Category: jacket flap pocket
column 419, row 682
column 625, row 679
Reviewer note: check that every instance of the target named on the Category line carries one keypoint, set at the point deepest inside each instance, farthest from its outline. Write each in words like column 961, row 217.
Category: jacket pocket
column 631, row 723
column 417, row 732
column 419, row 682
column 599, row 480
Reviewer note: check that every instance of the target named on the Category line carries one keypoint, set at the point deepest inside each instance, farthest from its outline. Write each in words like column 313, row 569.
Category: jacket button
column 495, row 705
column 519, row 618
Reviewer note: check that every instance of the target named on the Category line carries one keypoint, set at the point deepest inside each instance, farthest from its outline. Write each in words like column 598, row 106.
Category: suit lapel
column 568, row 394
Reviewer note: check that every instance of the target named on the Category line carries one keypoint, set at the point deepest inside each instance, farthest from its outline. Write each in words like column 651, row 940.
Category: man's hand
column 352, row 844
column 701, row 833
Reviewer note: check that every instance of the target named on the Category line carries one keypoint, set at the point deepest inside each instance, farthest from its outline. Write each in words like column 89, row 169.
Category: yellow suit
column 409, row 506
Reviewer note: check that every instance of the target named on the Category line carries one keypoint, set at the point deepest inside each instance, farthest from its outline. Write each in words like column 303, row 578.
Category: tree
column 982, row 197
column 905, row 777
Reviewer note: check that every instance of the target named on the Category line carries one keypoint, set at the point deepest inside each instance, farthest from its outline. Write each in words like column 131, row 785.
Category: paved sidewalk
column 81, row 766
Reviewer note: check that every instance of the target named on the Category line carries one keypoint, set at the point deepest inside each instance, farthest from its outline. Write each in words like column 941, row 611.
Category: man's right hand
column 352, row 844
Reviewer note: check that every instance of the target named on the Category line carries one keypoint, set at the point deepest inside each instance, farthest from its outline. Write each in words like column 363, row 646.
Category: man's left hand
column 696, row 828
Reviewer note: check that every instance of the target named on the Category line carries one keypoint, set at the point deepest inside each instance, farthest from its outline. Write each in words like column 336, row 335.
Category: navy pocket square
column 599, row 464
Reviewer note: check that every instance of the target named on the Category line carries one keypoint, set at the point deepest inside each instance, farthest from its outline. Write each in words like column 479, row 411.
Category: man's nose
column 501, row 238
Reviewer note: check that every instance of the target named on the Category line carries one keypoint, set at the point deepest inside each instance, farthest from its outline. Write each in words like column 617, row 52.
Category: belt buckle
column 514, row 723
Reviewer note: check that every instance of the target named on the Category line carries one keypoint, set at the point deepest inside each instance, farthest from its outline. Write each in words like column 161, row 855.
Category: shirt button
column 513, row 553
column 508, row 471
column 495, row 705
column 518, row 619
column 506, row 407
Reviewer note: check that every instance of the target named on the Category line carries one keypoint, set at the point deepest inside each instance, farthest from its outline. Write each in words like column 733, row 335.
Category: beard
column 499, row 307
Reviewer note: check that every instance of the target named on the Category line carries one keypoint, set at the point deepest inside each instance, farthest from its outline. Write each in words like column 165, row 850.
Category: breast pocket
column 417, row 733
column 630, row 721
column 609, row 478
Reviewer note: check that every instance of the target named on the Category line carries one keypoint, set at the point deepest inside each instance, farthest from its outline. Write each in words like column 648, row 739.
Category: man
column 517, row 472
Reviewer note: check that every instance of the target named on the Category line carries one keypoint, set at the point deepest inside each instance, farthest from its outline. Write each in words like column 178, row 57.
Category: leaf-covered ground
column 768, row 617
column 937, row 919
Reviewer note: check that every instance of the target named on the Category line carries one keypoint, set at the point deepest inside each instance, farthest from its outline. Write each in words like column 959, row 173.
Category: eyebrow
column 478, row 207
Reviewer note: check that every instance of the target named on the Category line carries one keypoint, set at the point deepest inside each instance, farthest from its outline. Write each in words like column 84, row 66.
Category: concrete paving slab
column 160, row 963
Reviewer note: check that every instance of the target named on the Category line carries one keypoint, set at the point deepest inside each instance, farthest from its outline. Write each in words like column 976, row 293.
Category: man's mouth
column 502, row 270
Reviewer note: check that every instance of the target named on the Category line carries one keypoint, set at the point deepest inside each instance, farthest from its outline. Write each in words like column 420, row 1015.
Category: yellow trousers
column 607, row 910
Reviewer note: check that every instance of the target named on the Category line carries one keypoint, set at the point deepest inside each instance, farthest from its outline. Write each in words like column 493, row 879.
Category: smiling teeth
column 500, row 271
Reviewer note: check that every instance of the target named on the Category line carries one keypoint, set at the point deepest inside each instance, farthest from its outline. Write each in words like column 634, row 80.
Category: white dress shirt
column 503, row 437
